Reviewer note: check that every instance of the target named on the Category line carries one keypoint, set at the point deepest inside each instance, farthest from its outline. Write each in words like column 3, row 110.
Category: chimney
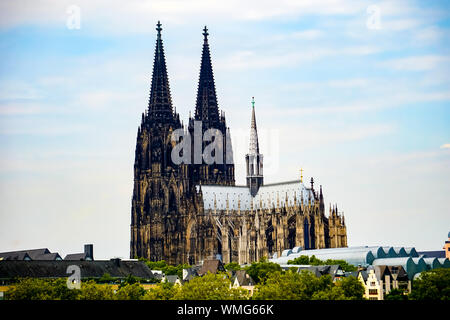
column 89, row 251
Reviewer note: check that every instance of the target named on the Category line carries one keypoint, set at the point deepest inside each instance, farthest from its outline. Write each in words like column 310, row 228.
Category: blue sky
column 363, row 108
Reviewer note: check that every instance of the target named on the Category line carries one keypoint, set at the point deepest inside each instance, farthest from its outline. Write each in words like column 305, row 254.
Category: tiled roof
column 212, row 266
column 57, row 269
column 268, row 196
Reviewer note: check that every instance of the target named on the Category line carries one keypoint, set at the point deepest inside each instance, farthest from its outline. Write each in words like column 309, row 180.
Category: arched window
column 306, row 233
column 172, row 200
column 292, row 231
column 312, row 233
column 269, row 238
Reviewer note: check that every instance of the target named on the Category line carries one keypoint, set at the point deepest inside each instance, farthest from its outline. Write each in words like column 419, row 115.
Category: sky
column 357, row 94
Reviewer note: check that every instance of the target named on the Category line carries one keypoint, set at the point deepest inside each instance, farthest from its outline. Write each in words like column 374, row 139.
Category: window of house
column 373, row 291
column 372, row 283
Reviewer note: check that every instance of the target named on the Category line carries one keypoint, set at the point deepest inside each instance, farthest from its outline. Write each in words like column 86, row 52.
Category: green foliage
column 166, row 268
column 317, row 262
column 210, row 287
column 161, row 291
column 291, row 286
column 93, row 291
column 335, row 293
column 40, row 289
column 232, row 266
column 396, row 294
column 300, row 260
column 106, row 278
column 431, row 285
column 130, row 292
column 306, row 286
column 351, row 287
column 259, row 271
column 129, row 280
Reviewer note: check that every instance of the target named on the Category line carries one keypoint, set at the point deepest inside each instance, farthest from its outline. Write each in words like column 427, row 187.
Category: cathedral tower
column 254, row 160
column 207, row 114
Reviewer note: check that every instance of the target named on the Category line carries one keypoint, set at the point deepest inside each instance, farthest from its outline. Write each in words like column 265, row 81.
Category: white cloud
column 418, row 63
column 249, row 59
column 349, row 83
column 445, row 146
column 137, row 15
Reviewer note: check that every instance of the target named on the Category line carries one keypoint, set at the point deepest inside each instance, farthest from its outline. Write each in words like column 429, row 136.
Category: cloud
column 445, row 146
column 248, row 59
column 418, row 63
column 138, row 16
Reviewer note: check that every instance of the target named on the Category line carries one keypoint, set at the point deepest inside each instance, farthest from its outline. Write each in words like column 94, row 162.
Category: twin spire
column 206, row 107
column 160, row 102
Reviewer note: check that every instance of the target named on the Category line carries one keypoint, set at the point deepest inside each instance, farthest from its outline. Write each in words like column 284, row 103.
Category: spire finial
column 205, row 33
column 253, row 102
column 158, row 28
column 301, row 175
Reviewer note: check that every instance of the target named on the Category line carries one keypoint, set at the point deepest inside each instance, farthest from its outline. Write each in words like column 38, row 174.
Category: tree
column 259, row 271
column 431, row 285
column 396, row 294
column 306, row 286
column 232, row 266
column 335, row 293
column 166, row 268
column 130, row 279
column 317, row 262
column 351, row 287
column 292, row 286
column 161, row 291
column 40, row 289
column 92, row 291
column 130, row 292
column 300, row 260
column 106, row 278
column 210, row 287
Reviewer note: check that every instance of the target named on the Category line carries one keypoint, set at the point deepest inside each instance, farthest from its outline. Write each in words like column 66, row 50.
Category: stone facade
column 188, row 212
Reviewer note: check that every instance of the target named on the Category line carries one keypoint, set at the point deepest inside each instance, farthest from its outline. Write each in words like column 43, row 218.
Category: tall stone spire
column 160, row 101
column 206, row 108
column 254, row 159
column 254, row 144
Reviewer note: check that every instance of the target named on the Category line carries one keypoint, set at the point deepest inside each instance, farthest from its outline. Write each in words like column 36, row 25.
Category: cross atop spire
column 205, row 33
column 159, row 29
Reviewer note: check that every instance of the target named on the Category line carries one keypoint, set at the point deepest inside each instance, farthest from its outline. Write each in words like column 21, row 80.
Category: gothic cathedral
column 185, row 212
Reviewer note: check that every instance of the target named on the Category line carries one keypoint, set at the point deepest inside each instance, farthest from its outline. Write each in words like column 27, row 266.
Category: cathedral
column 191, row 210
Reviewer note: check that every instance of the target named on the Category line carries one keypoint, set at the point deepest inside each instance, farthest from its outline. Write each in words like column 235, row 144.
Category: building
column 379, row 280
column 44, row 254
column 10, row 270
column 447, row 247
column 33, row 254
column 185, row 205
column 241, row 279
column 407, row 258
column 87, row 255
column 173, row 279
